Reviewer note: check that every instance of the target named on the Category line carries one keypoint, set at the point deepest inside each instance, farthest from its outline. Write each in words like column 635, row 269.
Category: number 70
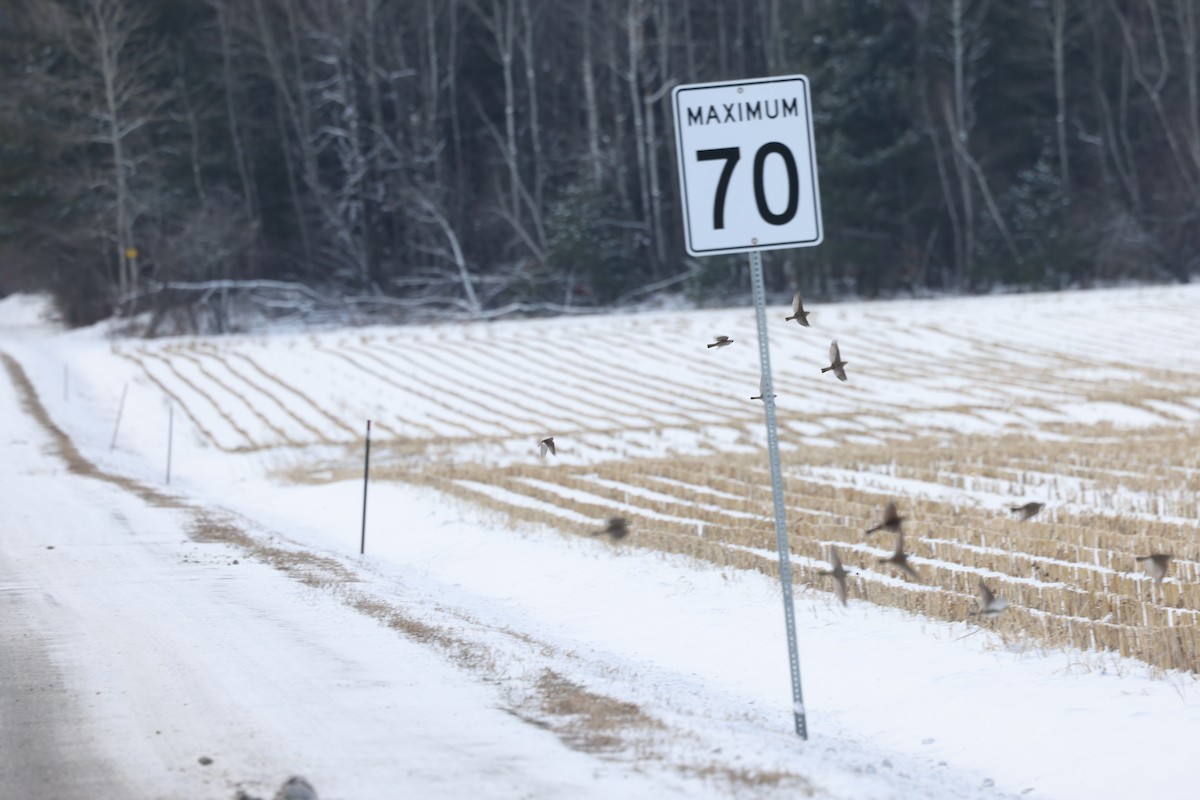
column 731, row 156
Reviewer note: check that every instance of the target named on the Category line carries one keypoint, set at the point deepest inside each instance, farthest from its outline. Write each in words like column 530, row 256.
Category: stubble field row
column 955, row 409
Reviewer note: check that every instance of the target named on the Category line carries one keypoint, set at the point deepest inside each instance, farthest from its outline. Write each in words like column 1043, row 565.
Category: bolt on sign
column 747, row 166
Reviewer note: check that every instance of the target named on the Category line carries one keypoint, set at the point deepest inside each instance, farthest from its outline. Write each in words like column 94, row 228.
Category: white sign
column 747, row 167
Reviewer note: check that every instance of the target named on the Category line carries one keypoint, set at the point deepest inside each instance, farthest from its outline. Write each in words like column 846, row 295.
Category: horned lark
column 616, row 528
column 899, row 559
column 296, row 788
column 798, row 312
column 891, row 520
column 838, row 573
column 1028, row 510
column 761, row 392
column 989, row 604
column 547, row 446
column 1155, row 565
column 835, row 361
column 720, row 341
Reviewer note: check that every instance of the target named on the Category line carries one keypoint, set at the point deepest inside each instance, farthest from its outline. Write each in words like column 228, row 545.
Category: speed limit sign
column 747, row 167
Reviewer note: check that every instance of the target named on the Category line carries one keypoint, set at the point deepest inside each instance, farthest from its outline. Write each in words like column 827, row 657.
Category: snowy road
column 130, row 653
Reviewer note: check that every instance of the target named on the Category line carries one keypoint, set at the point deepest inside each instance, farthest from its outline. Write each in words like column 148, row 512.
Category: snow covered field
column 488, row 646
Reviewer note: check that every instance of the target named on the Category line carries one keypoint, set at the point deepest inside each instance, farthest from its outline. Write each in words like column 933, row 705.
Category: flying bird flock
column 988, row 604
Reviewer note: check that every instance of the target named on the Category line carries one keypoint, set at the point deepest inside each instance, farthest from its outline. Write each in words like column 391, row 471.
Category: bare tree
column 591, row 105
column 1152, row 71
column 330, row 35
column 500, row 17
column 451, row 250
column 529, row 58
column 635, row 20
column 118, row 56
column 1186, row 15
column 233, row 114
column 292, row 126
column 1112, row 122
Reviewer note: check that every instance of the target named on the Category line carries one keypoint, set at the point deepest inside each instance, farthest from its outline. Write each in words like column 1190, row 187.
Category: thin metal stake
column 781, row 532
column 170, row 436
column 362, row 546
column 117, row 425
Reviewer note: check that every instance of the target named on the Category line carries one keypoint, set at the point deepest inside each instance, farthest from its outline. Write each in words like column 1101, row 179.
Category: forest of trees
column 472, row 158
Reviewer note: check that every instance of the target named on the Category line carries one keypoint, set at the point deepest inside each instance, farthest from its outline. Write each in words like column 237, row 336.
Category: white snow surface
column 169, row 647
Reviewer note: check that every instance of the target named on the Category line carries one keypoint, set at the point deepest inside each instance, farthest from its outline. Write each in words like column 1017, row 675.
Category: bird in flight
column 989, row 604
column 899, row 559
column 547, row 446
column 835, row 361
column 1028, row 510
column 761, row 392
column 720, row 341
column 616, row 528
column 1156, row 565
column 838, row 573
column 891, row 520
column 798, row 312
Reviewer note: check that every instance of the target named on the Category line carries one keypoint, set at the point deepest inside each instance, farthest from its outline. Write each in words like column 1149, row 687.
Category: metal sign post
column 748, row 179
column 781, row 531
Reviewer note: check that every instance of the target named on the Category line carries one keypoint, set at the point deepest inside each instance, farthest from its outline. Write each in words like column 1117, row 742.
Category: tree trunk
column 285, row 107
column 504, row 31
column 103, row 18
column 529, row 57
column 633, row 78
column 591, row 110
column 1185, row 11
column 1058, row 12
column 245, row 175
column 1153, row 86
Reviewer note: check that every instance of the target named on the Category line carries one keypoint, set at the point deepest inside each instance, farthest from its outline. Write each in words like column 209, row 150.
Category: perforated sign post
column 748, row 179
